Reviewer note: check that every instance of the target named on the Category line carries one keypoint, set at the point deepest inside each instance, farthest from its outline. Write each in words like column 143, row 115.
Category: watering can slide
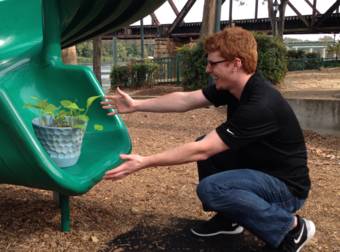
column 32, row 33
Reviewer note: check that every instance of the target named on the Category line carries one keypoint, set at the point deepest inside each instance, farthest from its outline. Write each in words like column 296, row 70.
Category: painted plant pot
column 63, row 144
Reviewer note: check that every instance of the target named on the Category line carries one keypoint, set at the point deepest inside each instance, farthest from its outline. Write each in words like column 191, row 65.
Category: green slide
column 32, row 33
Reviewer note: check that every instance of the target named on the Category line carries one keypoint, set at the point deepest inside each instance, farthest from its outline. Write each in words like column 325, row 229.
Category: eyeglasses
column 214, row 63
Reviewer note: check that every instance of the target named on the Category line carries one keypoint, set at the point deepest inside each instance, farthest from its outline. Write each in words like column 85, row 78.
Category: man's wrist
column 146, row 161
column 136, row 105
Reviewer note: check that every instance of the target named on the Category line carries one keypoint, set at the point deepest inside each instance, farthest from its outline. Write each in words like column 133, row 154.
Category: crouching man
column 253, row 167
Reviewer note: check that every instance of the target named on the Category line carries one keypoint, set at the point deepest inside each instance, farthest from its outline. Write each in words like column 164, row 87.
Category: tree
column 326, row 39
column 121, row 51
column 289, row 40
column 84, row 49
column 132, row 50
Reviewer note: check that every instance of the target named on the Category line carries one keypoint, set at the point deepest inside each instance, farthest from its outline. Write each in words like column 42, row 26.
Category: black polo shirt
column 264, row 130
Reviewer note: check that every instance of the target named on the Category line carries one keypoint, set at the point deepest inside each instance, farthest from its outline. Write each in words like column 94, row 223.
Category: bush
column 135, row 74
column 331, row 63
column 313, row 61
column 298, row 54
column 296, row 64
column 296, row 60
column 143, row 74
column 272, row 57
column 119, row 76
column 193, row 62
column 300, row 60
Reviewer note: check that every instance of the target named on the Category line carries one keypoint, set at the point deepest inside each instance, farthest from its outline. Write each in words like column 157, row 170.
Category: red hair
column 235, row 42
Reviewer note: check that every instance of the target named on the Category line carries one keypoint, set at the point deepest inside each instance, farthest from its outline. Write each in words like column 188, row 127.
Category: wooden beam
column 154, row 19
column 298, row 13
column 173, row 7
column 328, row 13
column 181, row 15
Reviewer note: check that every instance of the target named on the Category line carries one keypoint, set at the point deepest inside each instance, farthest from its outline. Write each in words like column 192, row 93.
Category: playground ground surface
column 153, row 209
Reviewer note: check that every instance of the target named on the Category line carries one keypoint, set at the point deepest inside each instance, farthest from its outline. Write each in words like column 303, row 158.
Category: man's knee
column 218, row 192
column 211, row 194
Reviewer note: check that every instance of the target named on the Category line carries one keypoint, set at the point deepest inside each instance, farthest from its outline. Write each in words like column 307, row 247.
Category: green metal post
column 177, row 69
column 64, row 203
column 114, row 50
column 218, row 16
column 142, row 39
column 169, row 65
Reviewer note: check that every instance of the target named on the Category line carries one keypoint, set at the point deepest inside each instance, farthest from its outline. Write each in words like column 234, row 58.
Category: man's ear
column 238, row 63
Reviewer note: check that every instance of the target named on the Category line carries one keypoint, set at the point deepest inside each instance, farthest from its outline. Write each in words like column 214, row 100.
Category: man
column 253, row 167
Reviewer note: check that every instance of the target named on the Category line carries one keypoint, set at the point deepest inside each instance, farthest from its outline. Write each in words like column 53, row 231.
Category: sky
column 166, row 16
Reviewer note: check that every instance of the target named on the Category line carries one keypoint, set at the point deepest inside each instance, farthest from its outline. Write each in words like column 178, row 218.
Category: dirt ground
column 153, row 209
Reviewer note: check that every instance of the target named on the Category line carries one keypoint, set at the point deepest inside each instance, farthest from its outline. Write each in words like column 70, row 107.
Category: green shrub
column 296, row 64
column 143, row 74
column 272, row 57
column 119, row 76
column 193, row 62
column 313, row 61
column 300, row 60
column 331, row 63
column 135, row 74
column 296, row 54
column 296, row 60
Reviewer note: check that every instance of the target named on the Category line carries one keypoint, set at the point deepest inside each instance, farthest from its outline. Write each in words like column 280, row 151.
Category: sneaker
column 299, row 236
column 215, row 226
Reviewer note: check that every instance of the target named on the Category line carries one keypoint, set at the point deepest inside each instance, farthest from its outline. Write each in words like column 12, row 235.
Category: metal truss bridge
column 328, row 22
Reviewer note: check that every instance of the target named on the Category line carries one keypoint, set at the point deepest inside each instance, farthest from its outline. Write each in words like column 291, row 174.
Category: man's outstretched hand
column 132, row 164
column 120, row 101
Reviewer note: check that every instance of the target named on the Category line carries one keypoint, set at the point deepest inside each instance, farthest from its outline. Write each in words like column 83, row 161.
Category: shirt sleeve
column 218, row 97
column 248, row 124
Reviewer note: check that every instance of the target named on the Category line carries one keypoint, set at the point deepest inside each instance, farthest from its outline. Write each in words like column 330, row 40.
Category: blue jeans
column 261, row 203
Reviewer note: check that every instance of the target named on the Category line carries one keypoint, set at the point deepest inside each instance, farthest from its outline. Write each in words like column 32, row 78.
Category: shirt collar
column 248, row 87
